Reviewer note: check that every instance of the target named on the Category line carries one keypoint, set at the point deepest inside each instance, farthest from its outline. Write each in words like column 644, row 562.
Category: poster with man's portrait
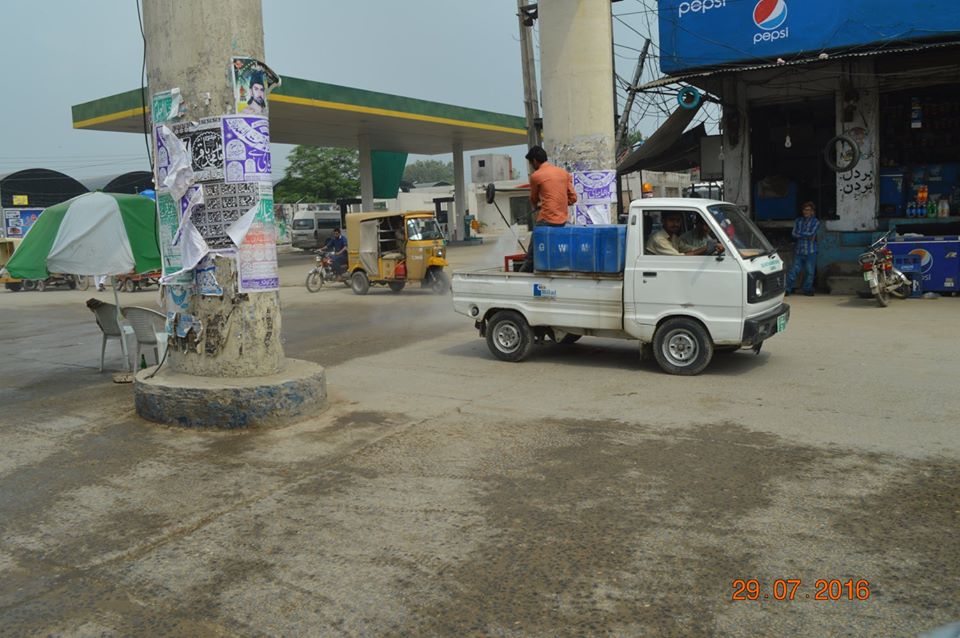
column 252, row 82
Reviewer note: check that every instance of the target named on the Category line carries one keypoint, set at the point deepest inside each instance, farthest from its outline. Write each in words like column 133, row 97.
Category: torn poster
column 252, row 82
column 204, row 143
column 169, row 224
column 184, row 323
column 257, row 255
column 192, row 249
column 596, row 190
column 174, row 171
column 165, row 106
column 246, row 143
column 590, row 214
column 223, row 204
column 207, row 284
column 190, row 200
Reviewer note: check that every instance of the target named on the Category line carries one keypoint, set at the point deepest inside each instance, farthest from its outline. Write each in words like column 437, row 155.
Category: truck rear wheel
column 682, row 346
column 509, row 336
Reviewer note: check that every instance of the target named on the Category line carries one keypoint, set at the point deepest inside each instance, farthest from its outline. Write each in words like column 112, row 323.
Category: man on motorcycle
column 337, row 244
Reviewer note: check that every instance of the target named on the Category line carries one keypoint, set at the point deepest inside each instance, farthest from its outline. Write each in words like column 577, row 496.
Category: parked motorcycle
column 324, row 271
column 878, row 271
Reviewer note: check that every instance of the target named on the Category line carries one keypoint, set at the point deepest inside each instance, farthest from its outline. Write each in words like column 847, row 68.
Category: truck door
column 666, row 282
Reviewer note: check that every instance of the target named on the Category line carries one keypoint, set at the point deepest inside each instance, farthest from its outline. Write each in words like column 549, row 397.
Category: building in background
column 854, row 106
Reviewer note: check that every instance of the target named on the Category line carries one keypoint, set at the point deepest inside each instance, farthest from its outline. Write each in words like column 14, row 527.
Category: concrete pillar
column 189, row 45
column 459, row 198
column 736, row 143
column 366, row 172
column 857, row 202
column 576, row 69
column 232, row 373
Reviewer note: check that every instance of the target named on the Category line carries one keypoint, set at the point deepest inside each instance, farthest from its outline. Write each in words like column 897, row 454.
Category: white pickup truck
column 686, row 306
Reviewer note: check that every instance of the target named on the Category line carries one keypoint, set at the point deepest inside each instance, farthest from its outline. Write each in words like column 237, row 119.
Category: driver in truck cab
column 667, row 240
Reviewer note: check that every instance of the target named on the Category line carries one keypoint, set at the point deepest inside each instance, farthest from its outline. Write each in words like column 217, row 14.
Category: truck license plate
column 782, row 322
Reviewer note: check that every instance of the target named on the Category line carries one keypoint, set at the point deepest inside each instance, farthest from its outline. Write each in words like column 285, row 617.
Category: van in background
column 313, row 224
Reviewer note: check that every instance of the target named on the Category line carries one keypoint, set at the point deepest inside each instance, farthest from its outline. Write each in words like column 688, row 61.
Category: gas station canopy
column 326, row 115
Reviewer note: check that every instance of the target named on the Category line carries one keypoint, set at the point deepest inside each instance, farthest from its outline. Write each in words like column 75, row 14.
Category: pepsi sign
column 706, row 33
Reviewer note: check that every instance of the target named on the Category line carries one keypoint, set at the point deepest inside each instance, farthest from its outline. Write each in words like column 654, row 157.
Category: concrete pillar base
column 299, row 389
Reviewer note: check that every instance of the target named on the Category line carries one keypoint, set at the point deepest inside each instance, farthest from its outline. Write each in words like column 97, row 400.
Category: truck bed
column 585, row 301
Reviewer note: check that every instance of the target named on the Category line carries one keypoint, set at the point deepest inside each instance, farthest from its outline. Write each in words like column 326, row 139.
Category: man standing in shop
column 805, row 230
column 551, row 193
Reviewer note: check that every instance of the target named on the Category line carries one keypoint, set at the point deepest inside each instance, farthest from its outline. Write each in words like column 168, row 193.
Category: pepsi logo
column 770, row 14
column 926, row 259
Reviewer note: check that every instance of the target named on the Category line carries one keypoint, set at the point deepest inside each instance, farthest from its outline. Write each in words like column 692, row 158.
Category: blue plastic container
column 587, row 249
column 611, row 248
column 553, row 248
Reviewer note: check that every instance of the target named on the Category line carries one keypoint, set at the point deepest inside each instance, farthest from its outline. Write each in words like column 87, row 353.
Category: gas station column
column 366, row 172
column 459, row 193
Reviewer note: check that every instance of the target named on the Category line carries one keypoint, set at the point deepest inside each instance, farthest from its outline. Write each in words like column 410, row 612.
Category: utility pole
column 225, row 366
column 625, row 118
column 631, row 94
column 526, row 13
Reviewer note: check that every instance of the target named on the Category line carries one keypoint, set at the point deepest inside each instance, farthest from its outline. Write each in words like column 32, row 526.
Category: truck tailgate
column 559, row 300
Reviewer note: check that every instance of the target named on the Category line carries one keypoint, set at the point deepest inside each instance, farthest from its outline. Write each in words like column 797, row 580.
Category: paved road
column 446, row 493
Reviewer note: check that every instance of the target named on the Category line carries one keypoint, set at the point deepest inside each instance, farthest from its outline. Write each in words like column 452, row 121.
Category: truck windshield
column 748, row 239
column 303, row 224
column 423, row 228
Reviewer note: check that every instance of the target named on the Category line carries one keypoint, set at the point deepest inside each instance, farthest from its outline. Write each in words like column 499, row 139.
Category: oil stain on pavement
column 678, row 515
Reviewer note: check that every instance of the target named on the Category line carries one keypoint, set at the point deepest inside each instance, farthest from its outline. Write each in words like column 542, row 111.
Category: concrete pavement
column 447, row 493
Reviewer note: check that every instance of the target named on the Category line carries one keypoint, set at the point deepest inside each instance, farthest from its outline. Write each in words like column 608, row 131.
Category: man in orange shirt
column 551, row 191
column 551, row 188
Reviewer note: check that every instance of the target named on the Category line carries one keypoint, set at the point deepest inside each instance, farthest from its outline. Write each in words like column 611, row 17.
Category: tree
column 429, row 171
column 319, row 175
column 632, row 138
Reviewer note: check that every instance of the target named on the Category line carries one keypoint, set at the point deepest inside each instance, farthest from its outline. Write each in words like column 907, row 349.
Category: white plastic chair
column 149, row 326
column 106, row 314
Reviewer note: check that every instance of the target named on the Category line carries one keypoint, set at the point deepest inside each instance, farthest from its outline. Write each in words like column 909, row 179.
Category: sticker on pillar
column 257, row 254
column 246, row 144
column 252, row 82
column 596, row 190
column 165, row 106
column 207, row 284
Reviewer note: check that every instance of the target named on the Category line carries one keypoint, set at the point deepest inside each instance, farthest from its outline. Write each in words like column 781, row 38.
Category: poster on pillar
column 168, row 218
column 596, row 191
column 223, row 204
column 204, row 142
column 252, row 82
column 246, row 144
column 257, row 269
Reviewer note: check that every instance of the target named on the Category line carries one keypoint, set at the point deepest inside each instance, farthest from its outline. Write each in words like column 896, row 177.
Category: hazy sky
column 454, row 51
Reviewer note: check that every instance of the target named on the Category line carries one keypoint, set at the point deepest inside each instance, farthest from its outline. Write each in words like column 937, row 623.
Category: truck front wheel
column 682, row 346
column 509, row 336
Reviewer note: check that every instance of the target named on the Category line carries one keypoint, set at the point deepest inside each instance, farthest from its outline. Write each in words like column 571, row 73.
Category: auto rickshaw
column 7, row 246
column 394, row 249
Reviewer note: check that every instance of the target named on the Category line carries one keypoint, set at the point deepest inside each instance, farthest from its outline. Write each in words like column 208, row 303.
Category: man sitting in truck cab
column 667, row 241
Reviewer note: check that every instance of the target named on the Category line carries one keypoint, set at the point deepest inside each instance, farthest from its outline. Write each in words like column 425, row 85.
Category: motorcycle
column 324, row 271
column 879, row 273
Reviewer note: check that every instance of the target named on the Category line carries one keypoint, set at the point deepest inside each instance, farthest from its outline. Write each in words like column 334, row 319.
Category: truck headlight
column 759, row 288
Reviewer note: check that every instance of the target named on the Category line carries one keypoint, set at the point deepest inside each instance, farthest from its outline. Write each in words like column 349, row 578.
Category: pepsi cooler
column 939, row 263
